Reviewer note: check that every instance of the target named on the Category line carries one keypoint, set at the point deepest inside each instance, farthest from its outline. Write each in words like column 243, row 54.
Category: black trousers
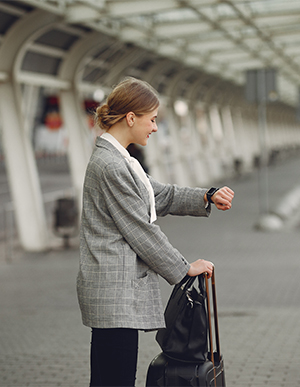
column 113, row 357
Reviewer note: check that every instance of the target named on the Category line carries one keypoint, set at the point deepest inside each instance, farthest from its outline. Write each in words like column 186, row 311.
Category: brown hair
column 130, row 95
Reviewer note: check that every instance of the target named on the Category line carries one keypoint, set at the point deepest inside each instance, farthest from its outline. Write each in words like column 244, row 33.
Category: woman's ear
column 130, row 118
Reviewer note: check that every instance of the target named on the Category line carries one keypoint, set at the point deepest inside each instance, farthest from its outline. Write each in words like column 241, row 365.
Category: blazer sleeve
column 174, row 200
column 130, row 212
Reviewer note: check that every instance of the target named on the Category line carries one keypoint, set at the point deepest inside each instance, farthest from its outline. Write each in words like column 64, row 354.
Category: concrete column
column 80, row 144
column 199, row 169
column 218, row 135
column 212, row 153
column 199, row 132
column 79, row 149
column 154, row 159
column 249, row 141
column 180, row 171
column 22, row 174
column 21, row 167
column 241, row 140
column 158, row 149
column 230, row 146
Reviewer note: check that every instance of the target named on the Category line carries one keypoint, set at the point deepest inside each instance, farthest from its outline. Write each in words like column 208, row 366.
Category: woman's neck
column 120, row 133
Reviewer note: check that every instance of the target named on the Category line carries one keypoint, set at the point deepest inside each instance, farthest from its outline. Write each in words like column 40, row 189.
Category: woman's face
column 143, row 126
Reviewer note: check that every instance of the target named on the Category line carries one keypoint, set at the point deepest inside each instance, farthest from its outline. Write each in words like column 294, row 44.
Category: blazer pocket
column 140, row 283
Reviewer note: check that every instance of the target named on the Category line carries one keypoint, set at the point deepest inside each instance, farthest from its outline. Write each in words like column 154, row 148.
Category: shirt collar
column 108, row 137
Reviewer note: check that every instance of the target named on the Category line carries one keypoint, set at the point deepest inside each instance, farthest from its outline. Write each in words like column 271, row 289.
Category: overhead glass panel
column 223, row 37
column 38, row 63
column 7, row 21
column 58, row 39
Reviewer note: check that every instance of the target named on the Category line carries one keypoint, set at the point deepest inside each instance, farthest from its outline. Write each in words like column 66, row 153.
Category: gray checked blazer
column 121, row 252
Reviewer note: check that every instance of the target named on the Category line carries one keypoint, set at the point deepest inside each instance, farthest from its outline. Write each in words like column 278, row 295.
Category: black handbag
column 185, row 335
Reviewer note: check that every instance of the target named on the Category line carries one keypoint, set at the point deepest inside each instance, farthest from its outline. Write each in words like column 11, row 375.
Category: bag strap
column 211, row 346
column 216, row 324
column 184, row 284
column 214, row 294
column 188, row 281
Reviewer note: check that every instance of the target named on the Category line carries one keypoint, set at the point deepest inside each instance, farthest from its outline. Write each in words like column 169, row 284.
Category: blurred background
column 228, row 75
column 227, row 72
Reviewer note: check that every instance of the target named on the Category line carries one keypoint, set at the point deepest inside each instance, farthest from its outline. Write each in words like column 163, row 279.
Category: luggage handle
column 216, row 324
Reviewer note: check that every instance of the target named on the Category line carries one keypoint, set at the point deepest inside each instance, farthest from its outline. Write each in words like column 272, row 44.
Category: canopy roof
column 221, row 38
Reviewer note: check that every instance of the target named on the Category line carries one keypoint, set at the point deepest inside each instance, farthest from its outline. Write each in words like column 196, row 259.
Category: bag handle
column 216, row 324
column 188, row 281
column 214, row 294
column 211, row 347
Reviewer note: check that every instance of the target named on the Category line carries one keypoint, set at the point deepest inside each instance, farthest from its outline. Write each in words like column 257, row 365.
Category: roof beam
column 42, row 80
column 46, row 50
column 57, row 9
column 265, row 38
column 11, row 10
column 79, row 13
column 181, row 29
column 129, row 8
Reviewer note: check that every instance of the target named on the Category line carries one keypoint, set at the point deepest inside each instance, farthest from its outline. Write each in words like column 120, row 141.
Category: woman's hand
column 222, row 198
column 201, row 266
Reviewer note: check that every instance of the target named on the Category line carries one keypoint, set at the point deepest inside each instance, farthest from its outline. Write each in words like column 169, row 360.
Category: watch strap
column 211, row 193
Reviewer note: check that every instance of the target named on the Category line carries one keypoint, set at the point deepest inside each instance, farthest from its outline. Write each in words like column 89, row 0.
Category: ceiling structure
column 220, row 38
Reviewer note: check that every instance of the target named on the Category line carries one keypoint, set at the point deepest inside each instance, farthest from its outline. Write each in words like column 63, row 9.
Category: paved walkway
column 42, row 340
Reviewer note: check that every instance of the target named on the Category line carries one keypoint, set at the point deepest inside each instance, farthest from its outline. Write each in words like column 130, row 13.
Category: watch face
column 210, row 193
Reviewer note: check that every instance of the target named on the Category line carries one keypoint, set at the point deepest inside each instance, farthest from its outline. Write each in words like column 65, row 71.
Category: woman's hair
column 130, row 95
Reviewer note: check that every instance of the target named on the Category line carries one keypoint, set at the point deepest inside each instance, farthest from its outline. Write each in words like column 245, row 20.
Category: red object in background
column 90, row 106
column 53, row 120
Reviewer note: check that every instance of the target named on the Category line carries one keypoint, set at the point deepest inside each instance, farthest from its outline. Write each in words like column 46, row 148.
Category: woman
column 122, row 251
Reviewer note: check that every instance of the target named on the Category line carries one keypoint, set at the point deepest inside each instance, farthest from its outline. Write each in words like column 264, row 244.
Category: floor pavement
column 43, row 342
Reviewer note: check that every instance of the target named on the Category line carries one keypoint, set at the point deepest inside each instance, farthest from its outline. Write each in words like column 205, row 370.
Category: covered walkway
column 60, row 57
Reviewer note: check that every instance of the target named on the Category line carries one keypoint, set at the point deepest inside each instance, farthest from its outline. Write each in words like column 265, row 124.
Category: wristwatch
column 210, row 193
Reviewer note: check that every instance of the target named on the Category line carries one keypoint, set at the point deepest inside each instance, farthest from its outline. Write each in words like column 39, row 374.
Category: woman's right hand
column 201, row 266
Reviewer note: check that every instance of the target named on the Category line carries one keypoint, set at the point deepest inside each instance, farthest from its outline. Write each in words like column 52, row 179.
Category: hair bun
column 102, row 110
column 102, row 117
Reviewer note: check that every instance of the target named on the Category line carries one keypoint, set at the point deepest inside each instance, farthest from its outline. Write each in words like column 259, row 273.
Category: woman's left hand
column 223, row 198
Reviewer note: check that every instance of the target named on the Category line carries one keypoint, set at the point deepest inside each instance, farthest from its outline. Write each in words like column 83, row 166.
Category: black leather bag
column 185, row 335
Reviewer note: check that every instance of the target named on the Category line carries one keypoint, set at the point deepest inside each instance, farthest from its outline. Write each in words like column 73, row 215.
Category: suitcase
column 166, row 372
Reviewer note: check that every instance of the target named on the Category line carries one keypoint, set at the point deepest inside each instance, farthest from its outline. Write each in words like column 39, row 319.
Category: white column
column 181, row 167
column 213, row 155
column 22, row 174
column 249, row 140
column 154, row 159
column 180, row 172
column 230, row 146
column 241, row 139
column 80, row 144
column 21, row 167
column 79, row 149
column 157, row 151
column 201, row 170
